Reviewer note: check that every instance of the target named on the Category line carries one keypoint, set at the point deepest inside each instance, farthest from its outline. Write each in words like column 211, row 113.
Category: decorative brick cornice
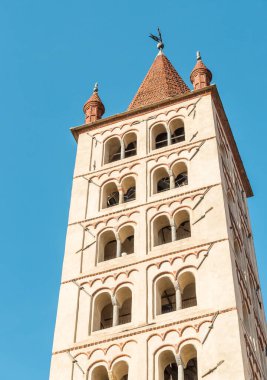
column 151, row 203
column 144, row 330
column 169, row 149
column 147, row 259
column 139, row 111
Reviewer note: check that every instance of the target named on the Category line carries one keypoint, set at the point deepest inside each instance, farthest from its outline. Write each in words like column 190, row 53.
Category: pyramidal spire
column 161, row 82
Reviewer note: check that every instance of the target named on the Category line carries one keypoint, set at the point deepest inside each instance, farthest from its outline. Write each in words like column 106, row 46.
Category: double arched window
column 114, row 193
column 119, row 371
column 112, row 310
column 117, row 148
column 167, row 229
column 164, row 179
column 167, row 134
column 116, row 244
column 172, row 295
column 171, row 366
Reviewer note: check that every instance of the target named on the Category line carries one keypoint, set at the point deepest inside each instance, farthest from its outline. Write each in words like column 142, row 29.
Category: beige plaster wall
column 209, row 254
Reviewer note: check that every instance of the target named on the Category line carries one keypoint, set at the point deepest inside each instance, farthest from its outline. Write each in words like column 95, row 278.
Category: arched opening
column 103, row 312
column 177, row 131
column 162, row 230
column 112, row 150
column 110, row 195
column 130, row 144
column 106, row 317
column 107, row 246
column 124, row 299
column 167, row 367
column 126, row 235
column 128, row 188
column 100, row 373
column 190, row 372
column 180, row 174
column 165, row 296
column 188, row 356
column 120, row 370
column 187, row 285
column 161, row 180
column 159, row 136
column 182, row 223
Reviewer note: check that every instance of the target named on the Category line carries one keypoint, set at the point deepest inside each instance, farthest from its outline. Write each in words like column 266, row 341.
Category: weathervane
column 158, row 39
column 96, row 87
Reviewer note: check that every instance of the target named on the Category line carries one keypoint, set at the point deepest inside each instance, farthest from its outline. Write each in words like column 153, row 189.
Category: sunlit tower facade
column 159, row 279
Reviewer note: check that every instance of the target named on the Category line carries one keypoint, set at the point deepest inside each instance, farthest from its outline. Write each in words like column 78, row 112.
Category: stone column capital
column 114, row 300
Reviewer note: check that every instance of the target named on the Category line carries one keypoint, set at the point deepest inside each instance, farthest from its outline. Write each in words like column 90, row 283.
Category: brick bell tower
column 159, row 279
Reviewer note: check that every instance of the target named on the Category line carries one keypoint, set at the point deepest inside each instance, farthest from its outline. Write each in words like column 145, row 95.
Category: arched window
column 190, row 372
column 187, row 285
column 120, row 370
column 100, row 373
column 112, row 150
column 106, row 317
column 162, row 230
column 171, row 367
column 112, row 246
column 103, row 312
column 180, row 174
column 167, row 367
column 130, row 144
column 128, row 188
column 124, row 299
column 163, row 180
column 177, row 131
column 165, row 296
column 110, row 195
column 188, row 356
column 165, row 232
column 107, row 246
column 160, row 180
column 126, row 236
column 182, row 223
column 159, row 136
column 115, row 149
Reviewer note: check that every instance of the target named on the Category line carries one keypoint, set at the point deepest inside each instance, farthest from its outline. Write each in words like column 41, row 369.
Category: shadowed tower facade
column 159, row 278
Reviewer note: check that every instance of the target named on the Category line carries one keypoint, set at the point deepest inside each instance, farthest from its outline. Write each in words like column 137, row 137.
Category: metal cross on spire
column 158, row 39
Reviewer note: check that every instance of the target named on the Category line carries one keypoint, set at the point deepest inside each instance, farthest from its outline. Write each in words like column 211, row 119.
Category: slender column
column 172, row 180
column 169, row 137
column 111, row 376
column 180, row 368
column 122, row 150
column 118, row 250
column 178, row 296
column 120, row 195
column 173, row 231
column 115, row 304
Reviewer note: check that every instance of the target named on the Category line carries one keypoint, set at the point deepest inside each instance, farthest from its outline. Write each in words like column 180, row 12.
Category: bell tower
column 159, row 279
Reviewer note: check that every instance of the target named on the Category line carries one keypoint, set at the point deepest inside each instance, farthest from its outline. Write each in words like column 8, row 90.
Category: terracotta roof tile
column 161, row 82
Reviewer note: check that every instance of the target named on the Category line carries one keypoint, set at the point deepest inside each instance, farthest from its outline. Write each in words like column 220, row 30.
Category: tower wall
column 214, row 326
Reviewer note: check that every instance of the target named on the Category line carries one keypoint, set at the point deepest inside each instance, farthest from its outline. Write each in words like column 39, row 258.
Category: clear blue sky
column 52, row 52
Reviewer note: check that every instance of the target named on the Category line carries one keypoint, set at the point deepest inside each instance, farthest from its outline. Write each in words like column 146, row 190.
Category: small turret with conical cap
column 94, row 108
column 200, row 76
